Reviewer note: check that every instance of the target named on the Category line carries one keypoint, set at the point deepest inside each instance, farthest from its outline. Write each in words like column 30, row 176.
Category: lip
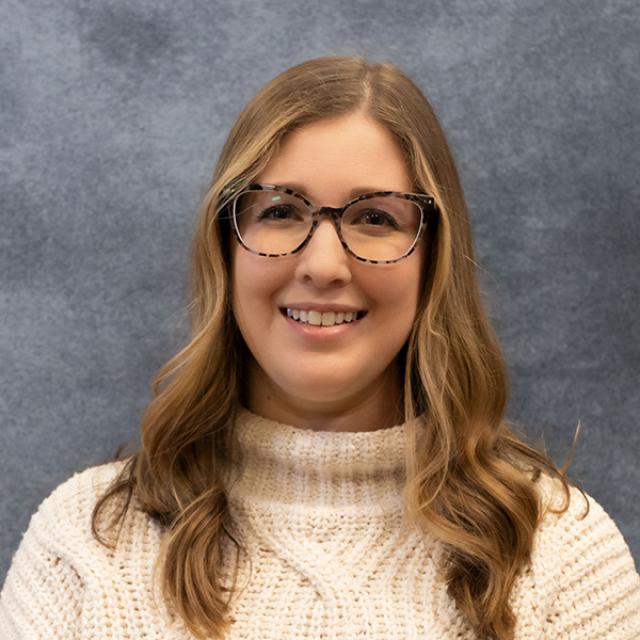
column 319, row 332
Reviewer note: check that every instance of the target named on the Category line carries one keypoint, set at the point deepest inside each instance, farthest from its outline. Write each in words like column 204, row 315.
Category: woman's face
column 338, row 377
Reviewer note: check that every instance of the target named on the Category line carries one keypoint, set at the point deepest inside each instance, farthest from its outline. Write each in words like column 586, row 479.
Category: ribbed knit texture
column 321, row 515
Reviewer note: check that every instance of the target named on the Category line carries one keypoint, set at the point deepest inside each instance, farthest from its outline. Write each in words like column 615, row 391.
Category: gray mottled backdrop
column 113, row 113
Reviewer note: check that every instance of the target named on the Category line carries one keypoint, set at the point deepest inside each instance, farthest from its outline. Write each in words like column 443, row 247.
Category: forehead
column 331, row 157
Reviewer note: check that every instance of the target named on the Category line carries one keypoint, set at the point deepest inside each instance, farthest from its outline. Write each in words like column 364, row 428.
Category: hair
column 471, row 479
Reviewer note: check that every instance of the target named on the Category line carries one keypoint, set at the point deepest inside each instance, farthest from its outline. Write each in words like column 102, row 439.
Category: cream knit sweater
column 321, row 515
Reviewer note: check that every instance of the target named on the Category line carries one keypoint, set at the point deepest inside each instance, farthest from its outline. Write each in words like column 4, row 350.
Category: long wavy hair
column 471, row 479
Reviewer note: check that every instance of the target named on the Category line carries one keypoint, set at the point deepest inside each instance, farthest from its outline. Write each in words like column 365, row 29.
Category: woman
column 328, row 457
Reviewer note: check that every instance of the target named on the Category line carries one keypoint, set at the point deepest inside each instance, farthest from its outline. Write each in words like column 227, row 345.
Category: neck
column 376, row 407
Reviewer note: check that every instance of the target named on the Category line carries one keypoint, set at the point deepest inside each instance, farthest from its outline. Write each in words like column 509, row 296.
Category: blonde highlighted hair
column 471, row 480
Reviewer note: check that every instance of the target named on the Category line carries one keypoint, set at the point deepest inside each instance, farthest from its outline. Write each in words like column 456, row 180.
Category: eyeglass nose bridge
column 335, row 214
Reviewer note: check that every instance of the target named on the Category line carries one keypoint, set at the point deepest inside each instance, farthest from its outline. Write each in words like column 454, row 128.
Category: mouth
column 322, row 318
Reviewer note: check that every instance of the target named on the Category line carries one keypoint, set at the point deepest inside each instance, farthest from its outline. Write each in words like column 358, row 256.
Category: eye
column 279, row 212
column 376, row 218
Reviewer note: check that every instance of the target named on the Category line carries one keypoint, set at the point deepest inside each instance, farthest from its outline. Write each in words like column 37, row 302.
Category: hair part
column 471, row 480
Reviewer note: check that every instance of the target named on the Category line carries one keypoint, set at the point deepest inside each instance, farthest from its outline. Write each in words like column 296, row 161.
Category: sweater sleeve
column 598, row 594
column 60, row 574
column 41, row 596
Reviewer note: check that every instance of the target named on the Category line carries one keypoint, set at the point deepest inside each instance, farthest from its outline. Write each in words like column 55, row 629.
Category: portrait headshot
column 319, row 321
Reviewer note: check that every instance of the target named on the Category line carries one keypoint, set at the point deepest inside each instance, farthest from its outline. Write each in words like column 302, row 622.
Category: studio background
column 113, row 114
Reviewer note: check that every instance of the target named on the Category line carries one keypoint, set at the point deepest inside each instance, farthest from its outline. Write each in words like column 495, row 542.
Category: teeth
column 326, row 319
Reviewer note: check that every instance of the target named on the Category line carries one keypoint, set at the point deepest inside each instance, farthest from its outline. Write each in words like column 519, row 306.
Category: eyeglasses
column 379, row 227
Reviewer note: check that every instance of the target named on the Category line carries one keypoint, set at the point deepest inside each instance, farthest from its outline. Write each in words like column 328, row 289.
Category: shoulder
column 582, row 577
column 86, row 482
column 62, row 527
column 583, row 524
column 63, row 519
column 77, row 494
column 582, row 536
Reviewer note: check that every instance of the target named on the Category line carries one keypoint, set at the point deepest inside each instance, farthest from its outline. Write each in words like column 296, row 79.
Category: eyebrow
column 356, row 191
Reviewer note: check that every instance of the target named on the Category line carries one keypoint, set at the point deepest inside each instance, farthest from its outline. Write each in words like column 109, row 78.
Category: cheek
column 400, row 306
column 254, row 284
column 397, row 291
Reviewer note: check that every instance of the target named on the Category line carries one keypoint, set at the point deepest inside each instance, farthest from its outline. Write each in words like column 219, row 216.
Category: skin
column 349, row 383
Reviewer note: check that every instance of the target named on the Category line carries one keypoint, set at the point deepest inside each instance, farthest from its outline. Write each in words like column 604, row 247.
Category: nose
column 324, row 261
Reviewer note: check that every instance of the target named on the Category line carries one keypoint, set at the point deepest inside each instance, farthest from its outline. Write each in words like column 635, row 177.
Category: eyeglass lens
column 376, row 228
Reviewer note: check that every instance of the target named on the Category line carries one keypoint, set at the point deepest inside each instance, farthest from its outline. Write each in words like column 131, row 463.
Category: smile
column 325, row 318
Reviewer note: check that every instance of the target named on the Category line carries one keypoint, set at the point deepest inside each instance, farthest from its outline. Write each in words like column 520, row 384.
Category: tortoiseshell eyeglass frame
column 425, row 201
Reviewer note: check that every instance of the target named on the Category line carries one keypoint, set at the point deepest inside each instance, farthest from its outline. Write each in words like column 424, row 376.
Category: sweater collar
column 283, row 464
